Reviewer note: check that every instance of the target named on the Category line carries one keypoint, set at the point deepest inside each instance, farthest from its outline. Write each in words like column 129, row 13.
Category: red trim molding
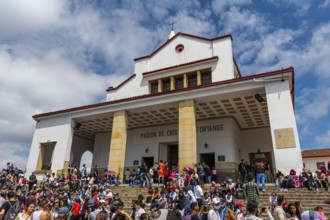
column 121, row 84
column 186, row 35
column 182, row 65
column 278, row 72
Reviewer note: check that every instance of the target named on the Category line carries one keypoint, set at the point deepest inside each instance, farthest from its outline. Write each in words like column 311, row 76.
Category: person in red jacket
column 21, row 181
column 75, row 210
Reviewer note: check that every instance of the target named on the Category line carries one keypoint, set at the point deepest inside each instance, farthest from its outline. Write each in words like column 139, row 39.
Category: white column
column 286, row 145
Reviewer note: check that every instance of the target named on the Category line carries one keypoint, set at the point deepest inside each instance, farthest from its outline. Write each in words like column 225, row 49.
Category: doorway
column 208, row 158
column 148, row 160
column 172, row 154
column 261, row 156
column 45, row 158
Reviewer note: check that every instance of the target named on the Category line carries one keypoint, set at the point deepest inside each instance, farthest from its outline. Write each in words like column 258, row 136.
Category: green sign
column 136, row 162
column 221, row 158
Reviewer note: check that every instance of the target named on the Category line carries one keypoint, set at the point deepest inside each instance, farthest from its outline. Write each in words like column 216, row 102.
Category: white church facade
column 185, row 103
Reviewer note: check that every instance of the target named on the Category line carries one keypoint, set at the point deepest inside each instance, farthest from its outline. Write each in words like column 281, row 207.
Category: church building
column 186, row 103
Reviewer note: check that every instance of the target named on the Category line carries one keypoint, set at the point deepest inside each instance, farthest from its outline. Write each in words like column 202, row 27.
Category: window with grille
column 153, row 87
column 179, row 83
column 166, row 85
column 192, row 80
column 206, row 78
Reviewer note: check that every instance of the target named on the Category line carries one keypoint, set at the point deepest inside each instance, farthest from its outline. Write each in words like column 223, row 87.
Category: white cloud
column 13, row 153
column 312, row 105
column 300, row 8
column 30, row 86
column 324, row 139
column 17, row 16
column 220, row 6
column 325, row 4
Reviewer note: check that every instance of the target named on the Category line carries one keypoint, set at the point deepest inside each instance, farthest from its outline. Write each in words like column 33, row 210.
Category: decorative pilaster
column 187, row 134
column 118, row 143
column 185, row 80
column 172, row 83
column 160, row 85
column 199, row 78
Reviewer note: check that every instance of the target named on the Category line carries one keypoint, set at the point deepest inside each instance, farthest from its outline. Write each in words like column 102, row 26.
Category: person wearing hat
column 214, row 212
column 239, row 213
column 63, row 213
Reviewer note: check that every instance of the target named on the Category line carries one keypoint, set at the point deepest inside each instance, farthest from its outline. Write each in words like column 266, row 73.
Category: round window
column 179, row 48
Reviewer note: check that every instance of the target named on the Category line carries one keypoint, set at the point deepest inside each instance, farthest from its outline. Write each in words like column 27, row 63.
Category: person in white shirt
column 138, row 210
column 214, row 212
column 199, row 195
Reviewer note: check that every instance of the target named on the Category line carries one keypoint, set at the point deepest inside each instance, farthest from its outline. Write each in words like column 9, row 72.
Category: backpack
column 13, row 211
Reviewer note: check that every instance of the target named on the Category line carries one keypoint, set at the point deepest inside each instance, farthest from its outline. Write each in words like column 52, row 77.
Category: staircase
column 308, row 199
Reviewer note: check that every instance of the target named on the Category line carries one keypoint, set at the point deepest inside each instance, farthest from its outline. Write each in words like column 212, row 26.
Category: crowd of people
column 171, row 194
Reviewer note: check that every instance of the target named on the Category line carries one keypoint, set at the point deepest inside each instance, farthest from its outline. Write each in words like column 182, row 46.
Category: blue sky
column 57, row 54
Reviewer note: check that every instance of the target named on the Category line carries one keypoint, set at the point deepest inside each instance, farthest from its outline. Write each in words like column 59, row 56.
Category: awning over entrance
column 243, row 107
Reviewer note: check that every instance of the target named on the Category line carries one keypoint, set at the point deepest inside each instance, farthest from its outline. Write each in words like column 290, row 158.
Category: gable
column 193, row 48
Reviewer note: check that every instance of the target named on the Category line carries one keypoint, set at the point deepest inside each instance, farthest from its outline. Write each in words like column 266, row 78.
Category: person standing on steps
column 251, row 191
column 260, row 171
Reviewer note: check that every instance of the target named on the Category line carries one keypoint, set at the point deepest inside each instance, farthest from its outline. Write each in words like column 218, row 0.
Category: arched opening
column 86, row 159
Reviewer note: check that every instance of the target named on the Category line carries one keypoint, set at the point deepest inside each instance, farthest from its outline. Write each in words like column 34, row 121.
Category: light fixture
column 206, row 145
column 258, row 151
column 147, row 150
column 77, row 126
column 258, row 97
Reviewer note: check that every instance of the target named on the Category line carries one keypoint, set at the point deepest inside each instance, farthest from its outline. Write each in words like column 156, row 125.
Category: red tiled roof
column 290, row 69
column 316, row 153
column 182, row 65
column 121, row 84
column 182, row 34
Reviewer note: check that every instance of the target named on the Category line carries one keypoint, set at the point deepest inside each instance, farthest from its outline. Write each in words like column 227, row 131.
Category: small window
column 320, row 164
column 166, row 85
column 179, row 83
column 192, row 80
column 206, row 78
column 179, row 48
column 154, row 87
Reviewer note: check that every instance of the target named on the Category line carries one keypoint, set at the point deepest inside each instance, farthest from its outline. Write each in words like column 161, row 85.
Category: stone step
column 308, row 199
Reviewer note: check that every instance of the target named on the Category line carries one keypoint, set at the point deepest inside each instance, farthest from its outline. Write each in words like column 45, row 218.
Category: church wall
column 220, row 142
column 57, row 130
column 79, row 146
column 194, row 49
column 101, row 150
column 140, row 139
column 225, row 65
column 218, row 133
column 135, row 87
column 282, row 119
column 254, row 139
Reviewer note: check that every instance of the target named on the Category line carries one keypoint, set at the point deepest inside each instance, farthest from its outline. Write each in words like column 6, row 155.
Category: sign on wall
column 221, row 158
column 174, row 132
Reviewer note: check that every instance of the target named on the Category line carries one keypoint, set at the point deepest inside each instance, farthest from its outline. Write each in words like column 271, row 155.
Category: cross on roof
column 172, row 24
